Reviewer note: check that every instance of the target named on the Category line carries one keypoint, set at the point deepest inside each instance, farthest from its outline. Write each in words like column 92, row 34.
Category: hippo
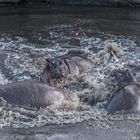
column 127, row 96
column 61, row 67
column 32, row 94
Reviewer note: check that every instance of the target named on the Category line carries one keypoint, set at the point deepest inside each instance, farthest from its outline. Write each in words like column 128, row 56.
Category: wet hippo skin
column 64, row 66
column 127, row 96
column 32, row 94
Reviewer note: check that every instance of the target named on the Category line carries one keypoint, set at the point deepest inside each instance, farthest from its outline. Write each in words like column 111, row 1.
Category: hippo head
column 56, row 68
column 123, row 77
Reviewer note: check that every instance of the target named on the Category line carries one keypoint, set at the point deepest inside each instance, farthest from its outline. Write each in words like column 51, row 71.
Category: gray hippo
column 127, row 96
column 32, row 94
column 61, row 67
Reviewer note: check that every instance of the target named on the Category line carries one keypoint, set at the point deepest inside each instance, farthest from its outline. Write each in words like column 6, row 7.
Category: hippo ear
column 48, row 60
column 130, row 75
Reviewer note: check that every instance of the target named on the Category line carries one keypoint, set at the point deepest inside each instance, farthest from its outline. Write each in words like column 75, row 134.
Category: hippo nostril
column 56, row 73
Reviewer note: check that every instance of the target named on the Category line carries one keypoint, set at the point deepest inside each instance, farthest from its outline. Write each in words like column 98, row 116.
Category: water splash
column 25, row 60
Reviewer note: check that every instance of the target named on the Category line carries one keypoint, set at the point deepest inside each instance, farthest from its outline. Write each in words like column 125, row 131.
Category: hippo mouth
column 57, row 76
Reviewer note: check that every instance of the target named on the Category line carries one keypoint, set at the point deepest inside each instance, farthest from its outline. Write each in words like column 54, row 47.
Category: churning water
column 23, row 57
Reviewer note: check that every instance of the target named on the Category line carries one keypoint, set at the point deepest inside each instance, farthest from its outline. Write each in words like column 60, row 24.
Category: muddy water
column 26, row 40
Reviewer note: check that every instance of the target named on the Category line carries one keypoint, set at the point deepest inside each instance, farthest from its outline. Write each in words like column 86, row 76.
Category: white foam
column 24, row 58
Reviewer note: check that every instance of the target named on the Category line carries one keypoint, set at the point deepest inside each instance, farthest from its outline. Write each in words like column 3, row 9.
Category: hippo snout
column 56, row 73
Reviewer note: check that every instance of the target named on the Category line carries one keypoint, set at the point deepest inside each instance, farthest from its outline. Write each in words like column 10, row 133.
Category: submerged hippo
column 60, row 68
column 32, row 94
column 127, row 96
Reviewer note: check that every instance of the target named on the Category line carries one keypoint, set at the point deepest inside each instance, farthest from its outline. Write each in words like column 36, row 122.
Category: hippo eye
column 60, row 63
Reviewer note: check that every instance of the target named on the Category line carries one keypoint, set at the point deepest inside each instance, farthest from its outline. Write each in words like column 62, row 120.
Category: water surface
column 28, row 36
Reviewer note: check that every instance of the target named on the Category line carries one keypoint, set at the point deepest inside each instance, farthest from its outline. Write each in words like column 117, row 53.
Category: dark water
column 28, row 36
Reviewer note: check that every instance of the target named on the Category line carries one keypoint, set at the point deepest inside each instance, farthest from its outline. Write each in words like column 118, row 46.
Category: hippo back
column 127, row 98
column 31, row 94
column 79, row 64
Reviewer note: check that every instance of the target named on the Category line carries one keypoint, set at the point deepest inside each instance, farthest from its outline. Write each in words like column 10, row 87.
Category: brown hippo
column 127, row 96
column 32, row 94
column 61, row 67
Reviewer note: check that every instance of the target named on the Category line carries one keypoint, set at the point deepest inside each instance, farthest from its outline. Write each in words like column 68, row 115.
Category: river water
column 28, row 36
